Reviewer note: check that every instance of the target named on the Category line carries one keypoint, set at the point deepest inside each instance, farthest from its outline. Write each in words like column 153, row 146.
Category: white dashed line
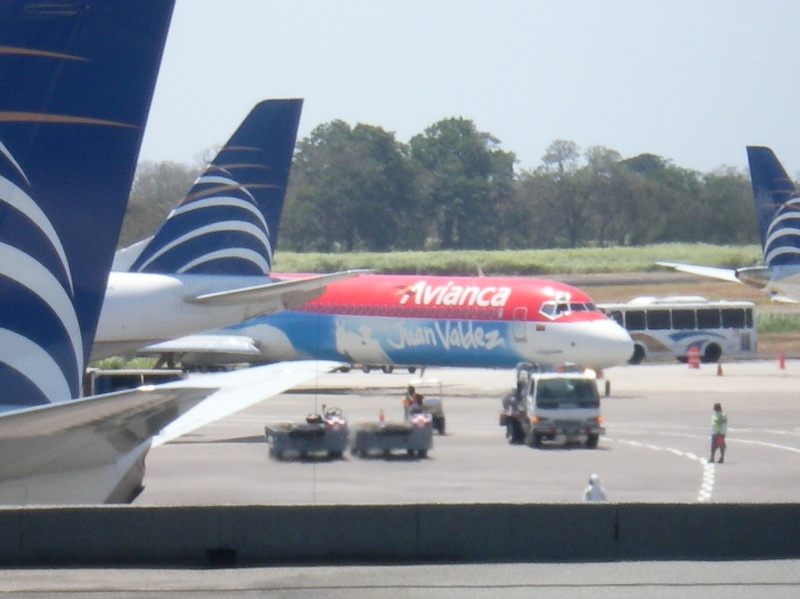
column 709, row 469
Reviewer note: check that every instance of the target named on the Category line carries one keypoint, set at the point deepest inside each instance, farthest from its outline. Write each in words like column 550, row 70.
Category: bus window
column 749, row 317
column 733, row 318
column 658, row 320
column 683, row 319
column 634, row 320
column 708, row 318
column 617, row 315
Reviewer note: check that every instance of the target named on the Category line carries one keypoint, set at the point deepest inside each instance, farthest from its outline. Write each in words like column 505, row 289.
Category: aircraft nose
column 607, row 344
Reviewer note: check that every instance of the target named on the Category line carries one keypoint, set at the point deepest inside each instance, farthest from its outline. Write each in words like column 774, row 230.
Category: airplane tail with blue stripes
column 228, row 222
column 76, row 81
column 777, row 207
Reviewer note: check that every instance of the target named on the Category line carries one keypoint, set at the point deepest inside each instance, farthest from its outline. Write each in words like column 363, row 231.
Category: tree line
column 452, row 187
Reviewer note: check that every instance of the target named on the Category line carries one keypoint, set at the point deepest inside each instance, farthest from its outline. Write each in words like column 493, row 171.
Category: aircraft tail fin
column 777, row 207
column 228, row 222
column 76, row 81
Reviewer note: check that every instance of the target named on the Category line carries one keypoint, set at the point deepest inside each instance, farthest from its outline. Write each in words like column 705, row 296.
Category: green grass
column 524, row 262
column 777, row 322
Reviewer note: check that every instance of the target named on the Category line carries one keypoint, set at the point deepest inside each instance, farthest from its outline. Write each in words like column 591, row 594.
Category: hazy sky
column 692, row 81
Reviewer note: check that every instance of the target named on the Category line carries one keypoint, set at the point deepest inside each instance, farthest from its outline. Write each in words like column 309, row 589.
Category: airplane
column 386, row 321
column 77, row 81
column 776, row 203
column 209, row 264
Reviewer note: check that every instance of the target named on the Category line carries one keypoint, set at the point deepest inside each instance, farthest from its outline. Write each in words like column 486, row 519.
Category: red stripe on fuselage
column 485, row 298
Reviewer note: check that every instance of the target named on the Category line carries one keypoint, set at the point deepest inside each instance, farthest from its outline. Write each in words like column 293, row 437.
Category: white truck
column 552, row 407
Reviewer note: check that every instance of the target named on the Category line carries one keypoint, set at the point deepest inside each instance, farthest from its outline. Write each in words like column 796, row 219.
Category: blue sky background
column 691, row 81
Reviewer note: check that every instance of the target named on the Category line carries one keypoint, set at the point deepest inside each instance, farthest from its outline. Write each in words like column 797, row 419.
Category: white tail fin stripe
column 240, row 253
column 222, row 201
column 233, row 225
column 12, row 195
column 32, row 275
column 14, row 163
column 35, row 364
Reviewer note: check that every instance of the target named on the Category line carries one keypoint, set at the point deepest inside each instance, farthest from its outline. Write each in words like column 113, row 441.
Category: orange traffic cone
column 781, row 361
column 719, row 368
column 694, row 357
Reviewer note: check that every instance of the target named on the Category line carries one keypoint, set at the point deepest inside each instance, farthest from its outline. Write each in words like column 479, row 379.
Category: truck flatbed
column 414, row 436
column 316, row 434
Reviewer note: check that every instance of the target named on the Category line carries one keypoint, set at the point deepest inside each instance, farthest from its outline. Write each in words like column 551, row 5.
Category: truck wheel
column 336, row 455
column 534, row 440
column 423, row 453
column 410, row 453
column 591, row 442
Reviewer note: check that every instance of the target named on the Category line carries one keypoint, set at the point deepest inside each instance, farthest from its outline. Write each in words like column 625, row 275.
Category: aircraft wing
column 277, row 295
column 241, row 345
column 724, row 274
column 265, row 381
column 85, row 451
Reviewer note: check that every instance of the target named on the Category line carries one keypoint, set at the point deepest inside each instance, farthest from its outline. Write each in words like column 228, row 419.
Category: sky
column 691, row 81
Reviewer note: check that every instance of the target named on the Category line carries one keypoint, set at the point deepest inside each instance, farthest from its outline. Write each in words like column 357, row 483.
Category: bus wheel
column 638, row 354
column 712, row 354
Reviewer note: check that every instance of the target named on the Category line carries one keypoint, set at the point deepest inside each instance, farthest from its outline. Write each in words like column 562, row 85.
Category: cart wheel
column 410, row 453
column 423, row 453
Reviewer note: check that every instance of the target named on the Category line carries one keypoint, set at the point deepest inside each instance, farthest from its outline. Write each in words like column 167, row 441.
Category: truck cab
column 552, row 407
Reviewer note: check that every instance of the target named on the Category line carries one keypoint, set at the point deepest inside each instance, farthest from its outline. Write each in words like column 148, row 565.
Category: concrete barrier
column 231, row 535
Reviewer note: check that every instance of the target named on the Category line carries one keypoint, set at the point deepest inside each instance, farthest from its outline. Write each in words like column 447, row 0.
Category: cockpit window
column 555, row 309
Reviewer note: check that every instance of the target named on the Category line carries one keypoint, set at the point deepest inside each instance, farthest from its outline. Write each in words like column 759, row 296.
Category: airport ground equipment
column 432, row 401
column 414, row 436
column 552, row 407
column 318, row 433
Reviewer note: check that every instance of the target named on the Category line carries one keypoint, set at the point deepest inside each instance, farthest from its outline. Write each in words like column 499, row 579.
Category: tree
column 157, row 189
column 352, row 189
column 467, row 182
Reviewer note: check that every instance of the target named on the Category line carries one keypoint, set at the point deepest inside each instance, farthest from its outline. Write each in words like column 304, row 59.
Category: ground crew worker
column 408, row 400
column 594, row 491
column 719, row 428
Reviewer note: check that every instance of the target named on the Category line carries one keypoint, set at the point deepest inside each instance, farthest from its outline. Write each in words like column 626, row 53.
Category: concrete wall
column 111, row 535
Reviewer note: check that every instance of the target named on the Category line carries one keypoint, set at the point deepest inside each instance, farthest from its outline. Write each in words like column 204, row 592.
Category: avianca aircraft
column 776, row 203
column 209, row 264
column 69, row 138
column 391, row 320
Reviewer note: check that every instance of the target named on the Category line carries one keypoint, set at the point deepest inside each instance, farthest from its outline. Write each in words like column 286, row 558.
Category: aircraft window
column 684, row 319
column 733, row 318
column 562, row 308
column 634, row 320
column 441, row 312
column 474, row 313
column 658, row 320
column 448, row 313
column 708, row 318
column 392, row 310
column 414, row 311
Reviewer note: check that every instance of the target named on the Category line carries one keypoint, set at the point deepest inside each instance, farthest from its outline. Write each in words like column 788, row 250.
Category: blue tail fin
column 76, row 80
column 228, row 222
column 777, row 207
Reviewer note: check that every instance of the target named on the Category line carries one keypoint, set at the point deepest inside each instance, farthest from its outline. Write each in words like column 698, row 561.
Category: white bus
column 669, row 326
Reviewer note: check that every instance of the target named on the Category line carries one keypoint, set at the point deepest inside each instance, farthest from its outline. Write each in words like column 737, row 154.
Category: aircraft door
column 519, row 326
